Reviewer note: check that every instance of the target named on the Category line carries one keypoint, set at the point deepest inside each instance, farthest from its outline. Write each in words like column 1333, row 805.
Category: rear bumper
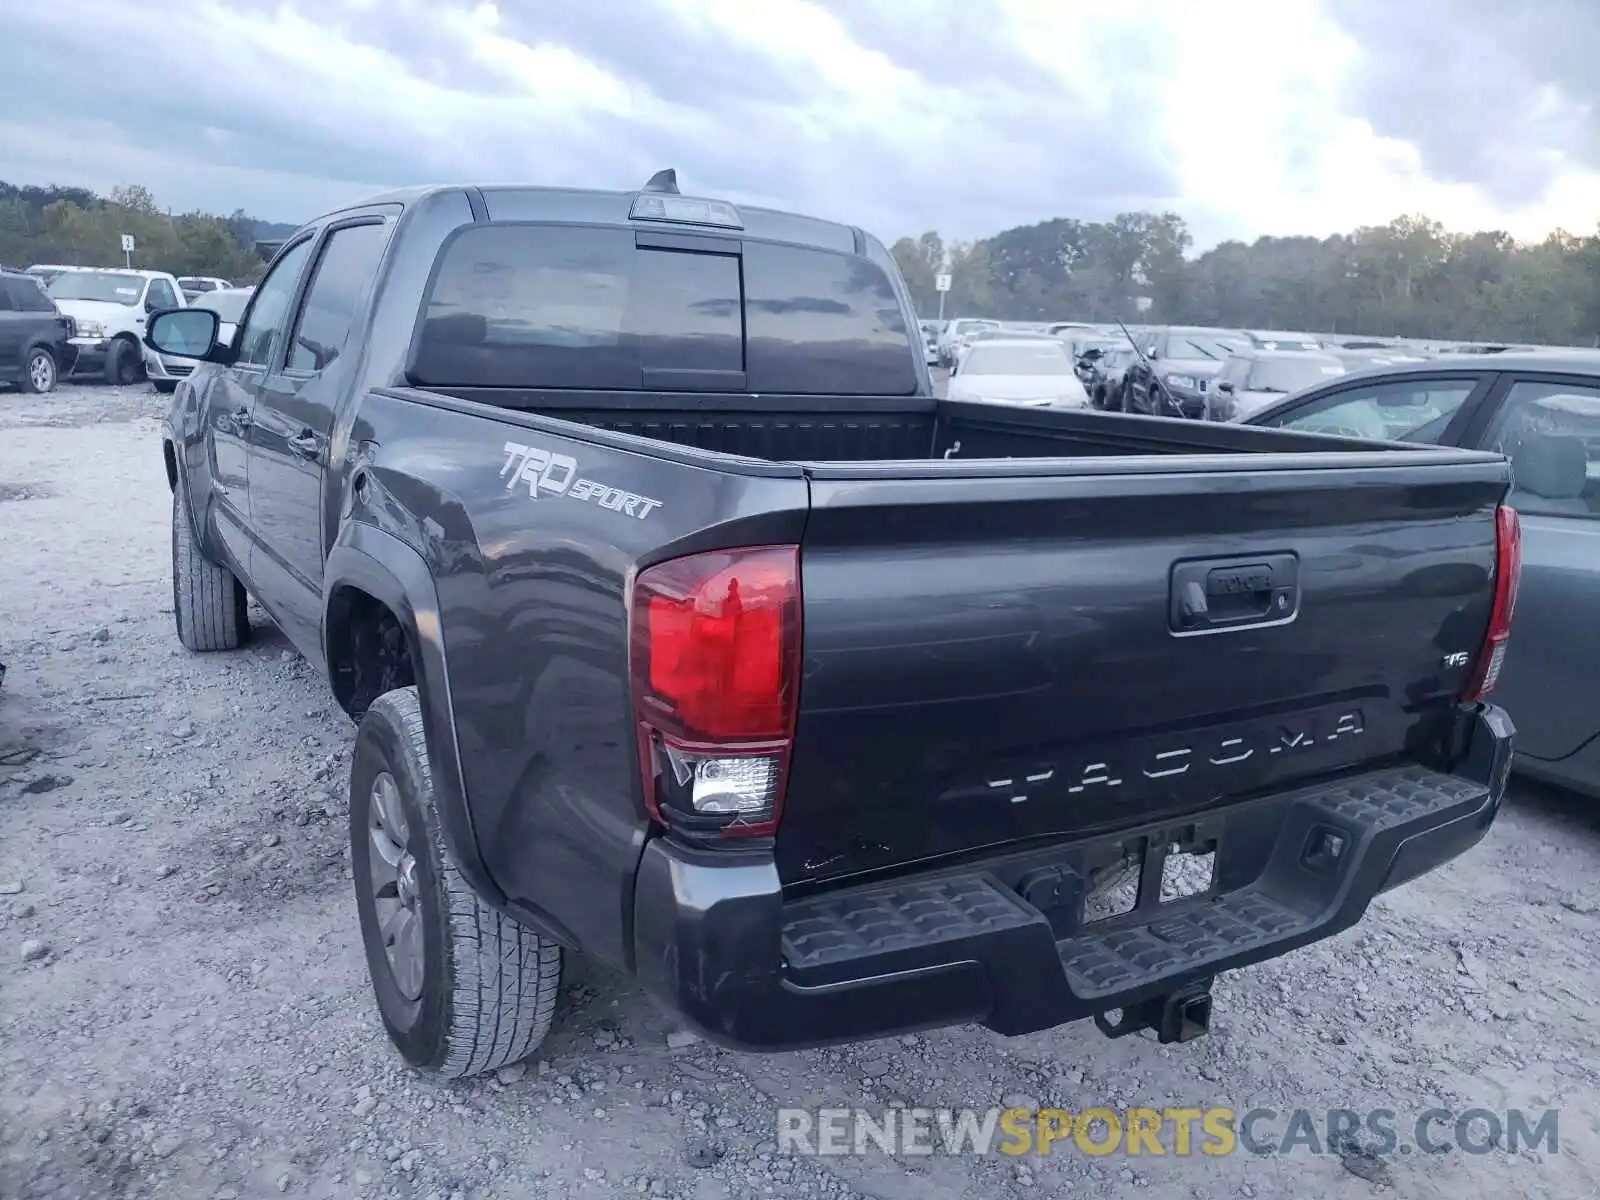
column 715, row 938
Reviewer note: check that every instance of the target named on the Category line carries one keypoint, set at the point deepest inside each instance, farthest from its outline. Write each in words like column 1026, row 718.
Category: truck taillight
column 1508, row 575
column 715, row 657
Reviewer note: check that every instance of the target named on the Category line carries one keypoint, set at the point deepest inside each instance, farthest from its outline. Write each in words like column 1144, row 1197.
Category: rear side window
column 1551, row 433
column 530, row 306
column 27, row 296
column 583, row 307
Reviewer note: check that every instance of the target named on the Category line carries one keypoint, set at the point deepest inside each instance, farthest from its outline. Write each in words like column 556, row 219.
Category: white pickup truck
column 110, row 306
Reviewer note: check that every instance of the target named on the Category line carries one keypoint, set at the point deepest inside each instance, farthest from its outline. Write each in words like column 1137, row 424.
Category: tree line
column 1409, row 278
column 77, row 227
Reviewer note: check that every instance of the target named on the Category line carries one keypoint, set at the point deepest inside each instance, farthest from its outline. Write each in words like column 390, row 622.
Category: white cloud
column 965, row 115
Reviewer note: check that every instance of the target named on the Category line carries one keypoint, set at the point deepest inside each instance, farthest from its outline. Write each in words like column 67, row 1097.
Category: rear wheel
column 39, row 371
column 209, row 605
column 462, row 989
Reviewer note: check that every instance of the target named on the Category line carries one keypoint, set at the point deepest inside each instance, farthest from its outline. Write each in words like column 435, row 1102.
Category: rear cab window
column 594, row 307
column 22, row 293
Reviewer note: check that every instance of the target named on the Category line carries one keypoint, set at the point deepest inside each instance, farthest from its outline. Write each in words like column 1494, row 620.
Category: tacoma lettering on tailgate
column 1212, row 753
column 548, row 474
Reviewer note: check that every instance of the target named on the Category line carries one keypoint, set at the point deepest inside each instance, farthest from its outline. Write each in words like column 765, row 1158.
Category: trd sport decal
column 547, row 474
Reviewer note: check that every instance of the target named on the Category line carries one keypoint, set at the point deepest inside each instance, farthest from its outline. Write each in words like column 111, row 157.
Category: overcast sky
column 968, row 116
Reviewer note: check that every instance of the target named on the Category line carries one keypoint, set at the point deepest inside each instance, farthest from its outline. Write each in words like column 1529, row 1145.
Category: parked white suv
column 110, row 306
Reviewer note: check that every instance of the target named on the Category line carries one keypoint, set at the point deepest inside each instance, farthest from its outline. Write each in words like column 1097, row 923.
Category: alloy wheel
column 392, row 876
column 42, row 372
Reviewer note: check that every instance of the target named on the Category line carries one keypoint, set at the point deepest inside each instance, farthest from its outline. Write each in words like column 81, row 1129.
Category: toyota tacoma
column 686, row 628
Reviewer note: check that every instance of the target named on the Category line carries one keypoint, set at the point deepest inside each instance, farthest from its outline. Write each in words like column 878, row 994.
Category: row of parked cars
column 1538, row 407
column 57, row 321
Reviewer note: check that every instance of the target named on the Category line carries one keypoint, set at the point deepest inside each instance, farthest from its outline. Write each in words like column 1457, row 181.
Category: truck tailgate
column 1024, row 651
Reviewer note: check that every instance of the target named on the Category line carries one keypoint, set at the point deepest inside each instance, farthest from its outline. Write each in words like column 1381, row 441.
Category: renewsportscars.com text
column 1155, row 1132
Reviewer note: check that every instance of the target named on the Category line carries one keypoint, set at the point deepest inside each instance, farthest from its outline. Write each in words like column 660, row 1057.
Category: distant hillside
column 267, row 231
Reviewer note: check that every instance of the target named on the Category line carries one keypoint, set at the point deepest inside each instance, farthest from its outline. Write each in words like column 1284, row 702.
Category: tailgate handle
column 1211, row 595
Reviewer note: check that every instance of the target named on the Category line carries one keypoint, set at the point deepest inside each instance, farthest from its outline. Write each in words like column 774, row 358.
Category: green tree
column 1408, row 277
column 970, row 290
column 918, row 275
column 79, row 228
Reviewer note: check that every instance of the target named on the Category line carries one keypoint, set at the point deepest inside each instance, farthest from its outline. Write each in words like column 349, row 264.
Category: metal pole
column 941, row 306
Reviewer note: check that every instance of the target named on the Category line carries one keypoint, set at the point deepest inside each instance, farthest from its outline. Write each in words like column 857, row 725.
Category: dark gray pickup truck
column 687, row 629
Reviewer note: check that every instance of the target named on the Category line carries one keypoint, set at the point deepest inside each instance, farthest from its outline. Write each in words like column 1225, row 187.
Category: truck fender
column 192, row 481
column 393, row 573
column 178, row 480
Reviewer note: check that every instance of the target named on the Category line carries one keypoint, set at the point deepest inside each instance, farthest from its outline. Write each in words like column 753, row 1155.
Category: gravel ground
column 184, row 1009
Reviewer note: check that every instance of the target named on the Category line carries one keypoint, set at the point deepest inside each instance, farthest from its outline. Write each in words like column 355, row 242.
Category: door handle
column 1209, row 595
column 306, row 444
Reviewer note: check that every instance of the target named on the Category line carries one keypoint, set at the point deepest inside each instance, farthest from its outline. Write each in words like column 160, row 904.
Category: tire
column 165, row 386
column 1126, row 403
column 123, row 363
column 209, row 606
column 484, row 991
column 39, row 374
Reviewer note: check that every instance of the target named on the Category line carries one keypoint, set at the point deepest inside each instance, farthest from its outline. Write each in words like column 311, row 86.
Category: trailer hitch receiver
column 1179, row 1016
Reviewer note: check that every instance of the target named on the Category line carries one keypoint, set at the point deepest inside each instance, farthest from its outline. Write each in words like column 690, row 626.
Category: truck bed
column 838, row 429
column 994, row 655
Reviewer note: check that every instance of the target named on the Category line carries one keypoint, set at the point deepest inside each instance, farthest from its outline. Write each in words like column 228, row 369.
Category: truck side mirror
column 185, row 332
